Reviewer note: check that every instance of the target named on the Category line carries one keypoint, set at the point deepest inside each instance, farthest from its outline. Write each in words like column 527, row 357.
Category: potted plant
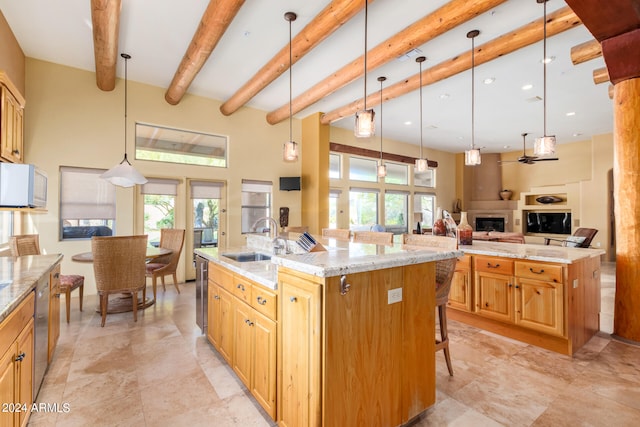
column 506, row 194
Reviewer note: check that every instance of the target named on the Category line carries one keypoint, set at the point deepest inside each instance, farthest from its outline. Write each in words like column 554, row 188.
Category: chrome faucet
column 273, row 225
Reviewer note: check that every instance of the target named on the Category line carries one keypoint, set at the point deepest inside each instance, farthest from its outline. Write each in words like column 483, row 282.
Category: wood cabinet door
column 363, row 347
column 225, row 341
column 242, row 341
column 494, row 297
column 539, row 306
column 300, row 348
column 11, row 130
column 460, row 292
column 7, row 384
column 263, row 383
column 213, row 315
column 24, row 390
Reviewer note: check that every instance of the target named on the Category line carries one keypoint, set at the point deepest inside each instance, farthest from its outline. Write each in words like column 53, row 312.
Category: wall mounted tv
column 289, row 183
column 549, row 222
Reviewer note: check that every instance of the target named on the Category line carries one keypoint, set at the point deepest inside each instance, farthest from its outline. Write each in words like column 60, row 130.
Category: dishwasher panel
column 201, row 265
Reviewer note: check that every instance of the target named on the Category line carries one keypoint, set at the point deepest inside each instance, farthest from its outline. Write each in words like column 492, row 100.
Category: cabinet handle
column 56, row 275
column 510, row 284
column 293, row 299
column 344, row 286
column 492, row 266
column 536, row 272
column 20, row 357
column 16, row 152
column 517, row 287
column 216, row 297
column 261, row 300
column 240, row 286
column 248, row 322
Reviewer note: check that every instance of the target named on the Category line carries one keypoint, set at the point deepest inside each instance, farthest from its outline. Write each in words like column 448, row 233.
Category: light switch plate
column 394, row 295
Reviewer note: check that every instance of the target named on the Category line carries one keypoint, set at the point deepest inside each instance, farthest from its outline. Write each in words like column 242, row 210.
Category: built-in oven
column 201, row 264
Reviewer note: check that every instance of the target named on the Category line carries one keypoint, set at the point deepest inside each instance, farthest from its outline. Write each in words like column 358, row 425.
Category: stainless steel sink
column 248, row 256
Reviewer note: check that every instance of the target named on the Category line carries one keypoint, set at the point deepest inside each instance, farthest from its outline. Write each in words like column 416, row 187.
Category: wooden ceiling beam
column 586, row 52
column 449, row 16
column 365, row 152
column 323, row 25
column 215, row 21
column 561, row 20
column 105, row 19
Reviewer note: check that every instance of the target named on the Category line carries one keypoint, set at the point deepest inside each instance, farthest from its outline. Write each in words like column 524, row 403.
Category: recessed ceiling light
column 577, row 134
column 461, row 138
column 432, row 127
column 408, row 122
column 528, row 86
column 410, row 54
column 571, row 113
column 548, row 59
column 444, row 96
column 506, row 146
column 489, row 80
column 246, row 33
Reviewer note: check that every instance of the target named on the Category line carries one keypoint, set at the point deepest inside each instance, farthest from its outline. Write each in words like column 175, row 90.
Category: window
column 162, row 144
column 6, row 226
column 397, row 174
column 334, row 166
column 423, row 203
column 159, row 207
column 363, row 208
column 396, row 211
column 425, row 179
column 334, row 195
column 87, row 204
column 256, row 203
column 205, row 197
column 363, row 169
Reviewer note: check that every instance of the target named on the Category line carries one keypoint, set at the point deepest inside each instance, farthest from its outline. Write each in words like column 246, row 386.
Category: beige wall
column 70, row 122
column 12, row 58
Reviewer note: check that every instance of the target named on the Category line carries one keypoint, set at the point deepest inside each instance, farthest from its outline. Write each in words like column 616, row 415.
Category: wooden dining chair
column 170, row 238
column 377, row 237
column 119, row 267
column 343, row 234
column 28, row 244
column 444, row 275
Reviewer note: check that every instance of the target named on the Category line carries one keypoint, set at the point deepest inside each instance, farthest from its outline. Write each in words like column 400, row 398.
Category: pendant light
column 123, row 174
column 421, row 164
column 382, row 169
column 365, row 126
column 545, row 145
column 290, row 151
column 472, row 157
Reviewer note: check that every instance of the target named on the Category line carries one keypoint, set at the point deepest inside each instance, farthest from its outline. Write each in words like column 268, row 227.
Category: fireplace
column 489, row 224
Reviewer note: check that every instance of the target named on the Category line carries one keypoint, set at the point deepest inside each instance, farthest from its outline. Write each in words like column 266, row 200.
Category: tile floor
column 161, row 372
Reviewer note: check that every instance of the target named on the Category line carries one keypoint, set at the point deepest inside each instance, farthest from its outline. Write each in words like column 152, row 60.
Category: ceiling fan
column 529, row 160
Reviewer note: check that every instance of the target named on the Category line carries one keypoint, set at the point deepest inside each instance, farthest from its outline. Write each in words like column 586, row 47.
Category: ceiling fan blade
column 544, row 159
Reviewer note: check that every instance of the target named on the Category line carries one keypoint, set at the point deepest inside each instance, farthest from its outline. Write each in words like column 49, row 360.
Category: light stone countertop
column 19, row 276
column 558, row 254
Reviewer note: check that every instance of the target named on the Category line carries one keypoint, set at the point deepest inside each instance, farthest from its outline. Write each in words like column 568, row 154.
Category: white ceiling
column 157, row 33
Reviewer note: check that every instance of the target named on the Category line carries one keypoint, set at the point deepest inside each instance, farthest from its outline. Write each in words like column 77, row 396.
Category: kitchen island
column 347, row 334
column 548, row 296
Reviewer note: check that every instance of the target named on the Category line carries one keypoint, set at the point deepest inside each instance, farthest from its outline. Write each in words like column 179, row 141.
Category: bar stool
column 444, row 275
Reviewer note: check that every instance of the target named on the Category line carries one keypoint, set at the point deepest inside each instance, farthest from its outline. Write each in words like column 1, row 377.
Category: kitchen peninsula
column 348, row 334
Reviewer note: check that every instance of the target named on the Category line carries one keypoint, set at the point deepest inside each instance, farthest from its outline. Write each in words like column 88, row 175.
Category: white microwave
column 22, row 186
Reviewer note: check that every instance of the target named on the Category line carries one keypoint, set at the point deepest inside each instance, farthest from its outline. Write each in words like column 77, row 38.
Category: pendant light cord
column 420, row 109
column 381, row 80
column 473, row 93
column 126, row 58
column 366, row 9
column 290, row 85
column 544, row 62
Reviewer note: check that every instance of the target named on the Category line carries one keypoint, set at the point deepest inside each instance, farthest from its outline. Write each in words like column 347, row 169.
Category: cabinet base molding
column 558, row 344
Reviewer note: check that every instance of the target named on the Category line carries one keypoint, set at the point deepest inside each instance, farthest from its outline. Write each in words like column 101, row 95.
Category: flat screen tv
column 549, row 222
column 289, row 183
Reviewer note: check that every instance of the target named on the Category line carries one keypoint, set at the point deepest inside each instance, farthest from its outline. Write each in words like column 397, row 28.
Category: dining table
column 122, row 303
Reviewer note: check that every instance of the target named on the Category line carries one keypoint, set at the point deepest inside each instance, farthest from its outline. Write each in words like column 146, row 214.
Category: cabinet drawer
column 16, row 321
column 537, row 271
column 464, row 263
column 494, row 265
column 221, row 276
column 264, row 301
column 242, row 289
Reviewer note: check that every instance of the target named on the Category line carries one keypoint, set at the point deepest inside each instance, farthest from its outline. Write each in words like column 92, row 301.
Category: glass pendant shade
column 290, row 151
column 365, row 125
column 472, row 157
column 422, row 165
column 382, row 170
column 123, row 174
column 545, row 146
